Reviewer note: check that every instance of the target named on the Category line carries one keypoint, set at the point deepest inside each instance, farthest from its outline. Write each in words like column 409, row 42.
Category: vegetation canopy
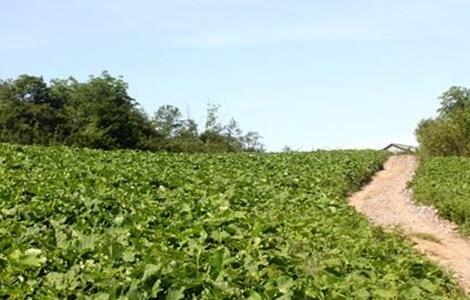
column 448, row 134
column 100, row 114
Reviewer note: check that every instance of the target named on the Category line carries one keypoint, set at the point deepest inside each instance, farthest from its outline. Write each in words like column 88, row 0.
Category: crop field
column 444, row 182
column 85, row 224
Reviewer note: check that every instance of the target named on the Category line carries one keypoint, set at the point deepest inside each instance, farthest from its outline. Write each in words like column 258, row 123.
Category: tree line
column 100, row 114
column 447, row 134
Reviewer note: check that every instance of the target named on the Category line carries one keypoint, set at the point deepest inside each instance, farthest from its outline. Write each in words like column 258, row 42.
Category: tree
column 252, row 142
column 100, row 113
column 103, row 115
column 212, row 136
column 168, row 120
column 448, row 133
column 176, row 134
column 287, row 149
column 31, row 89
column 29, row 112
column 232, row 129
column 212, row 118
column 229, row 137
column 187, row 138
column 454, row 99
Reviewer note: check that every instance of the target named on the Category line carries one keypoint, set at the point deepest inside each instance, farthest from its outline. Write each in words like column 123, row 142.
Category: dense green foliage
column 449, row 133
column 443, row 177
column 444, row 182
column 171, row 226
column 100, row 114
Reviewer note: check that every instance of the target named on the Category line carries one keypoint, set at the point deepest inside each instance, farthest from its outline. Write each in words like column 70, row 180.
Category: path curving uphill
column 387, row 202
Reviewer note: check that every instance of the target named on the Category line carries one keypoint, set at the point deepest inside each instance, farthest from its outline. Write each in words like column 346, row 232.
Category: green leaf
column 427, row 285
column 150, row 270
column 32, row 258
column 102, row 296
column 284, row 284
column 175, row 294
column 56, row 280
column 254, row 296
column 218, row 260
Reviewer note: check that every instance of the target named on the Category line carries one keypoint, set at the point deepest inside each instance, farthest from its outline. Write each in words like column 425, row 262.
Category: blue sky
column 308, row 74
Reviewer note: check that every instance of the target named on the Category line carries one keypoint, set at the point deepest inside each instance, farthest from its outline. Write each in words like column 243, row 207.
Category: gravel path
column 386, row 201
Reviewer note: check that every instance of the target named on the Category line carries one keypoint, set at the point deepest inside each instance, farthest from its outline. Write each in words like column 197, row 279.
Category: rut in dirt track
column 387, row 202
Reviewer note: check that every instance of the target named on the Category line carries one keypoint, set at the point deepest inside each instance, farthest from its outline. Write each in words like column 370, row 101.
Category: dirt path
column 386, row 201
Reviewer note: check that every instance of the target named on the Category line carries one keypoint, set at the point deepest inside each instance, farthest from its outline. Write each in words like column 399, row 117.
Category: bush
column 449, row 133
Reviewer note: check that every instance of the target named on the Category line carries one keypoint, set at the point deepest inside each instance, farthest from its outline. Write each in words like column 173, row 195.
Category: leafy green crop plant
column 444, row 182
column 87, row 224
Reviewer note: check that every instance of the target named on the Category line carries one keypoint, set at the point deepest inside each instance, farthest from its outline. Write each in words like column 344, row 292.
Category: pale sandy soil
column 387, row 202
